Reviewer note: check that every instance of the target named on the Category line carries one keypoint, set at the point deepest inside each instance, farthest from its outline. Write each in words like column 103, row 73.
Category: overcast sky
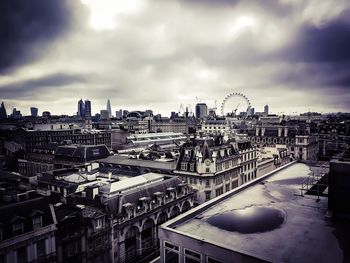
column 156, row 54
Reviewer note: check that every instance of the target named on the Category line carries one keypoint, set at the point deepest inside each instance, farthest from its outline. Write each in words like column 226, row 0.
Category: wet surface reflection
column 291, row 181
column 249, row 220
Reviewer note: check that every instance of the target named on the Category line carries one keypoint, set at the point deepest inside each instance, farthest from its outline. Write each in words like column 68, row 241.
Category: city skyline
column 142, row 57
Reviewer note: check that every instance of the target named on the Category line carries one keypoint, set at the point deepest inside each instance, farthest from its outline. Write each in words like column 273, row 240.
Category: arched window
column 131, row 244
column 186, row 206
column 174, row 212
column 147, row 236
column 163, row 217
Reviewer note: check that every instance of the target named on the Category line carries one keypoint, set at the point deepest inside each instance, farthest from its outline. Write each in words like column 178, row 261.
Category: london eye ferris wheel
column 235, row 104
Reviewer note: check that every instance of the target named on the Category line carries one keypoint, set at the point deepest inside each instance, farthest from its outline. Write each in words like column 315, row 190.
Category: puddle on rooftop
column 291, row 181
column 250, row 220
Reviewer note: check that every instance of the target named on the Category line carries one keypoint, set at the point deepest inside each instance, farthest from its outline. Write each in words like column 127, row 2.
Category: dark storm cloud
column 32, row 86
column 166, row 53
column 320, row 56
column 24, row 24
column 326, row 43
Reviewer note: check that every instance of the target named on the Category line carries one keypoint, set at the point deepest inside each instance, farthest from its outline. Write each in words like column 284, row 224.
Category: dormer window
column 37, row 222
column 37, row 219
column 17, row 227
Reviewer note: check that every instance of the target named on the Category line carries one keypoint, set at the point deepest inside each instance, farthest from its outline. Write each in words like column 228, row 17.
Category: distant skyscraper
column 81, row 108
column 3, row 113
column 16, row 114
column 201, row 110
column 266, row 109
column 119, row 114
column 109, row 108
column 173, row 115
column 104, row 115
column 33, row 111
column 87, row 108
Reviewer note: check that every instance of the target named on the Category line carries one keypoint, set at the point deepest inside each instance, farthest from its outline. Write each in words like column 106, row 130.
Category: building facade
column 27, row 229
column 30, row 139
column 212, row 168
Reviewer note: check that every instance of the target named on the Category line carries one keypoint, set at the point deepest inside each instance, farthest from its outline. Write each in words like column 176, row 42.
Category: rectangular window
column 192, row 257
column 207, row 170
column 171, row 246
column 207, row 196
column 22, row 254
column 17, row 228
column 219, row 191
column 40, row 248
column 171, row 253
column 37, row 222
column 171, row 256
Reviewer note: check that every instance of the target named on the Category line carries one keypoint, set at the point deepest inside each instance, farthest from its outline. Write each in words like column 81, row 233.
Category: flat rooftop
column 269, row 220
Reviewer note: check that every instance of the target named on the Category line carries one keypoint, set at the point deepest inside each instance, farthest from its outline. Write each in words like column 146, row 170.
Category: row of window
column 248, row 156
column 248, row 177
column 184, row 166
column 272, row 140
column 249, row 166
column 18, row 226
column 21, row 252
column 217, row 180
column 172, row 254
column 214, row 127
column 226, row 165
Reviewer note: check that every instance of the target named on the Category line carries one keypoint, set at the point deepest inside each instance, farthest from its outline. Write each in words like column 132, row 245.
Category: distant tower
column 81, row 108
column 87, row 108
column 186, row 119
column 3, row 113
column 201, row 110
column 109, row 108
column 33, row 111
column 266, row 109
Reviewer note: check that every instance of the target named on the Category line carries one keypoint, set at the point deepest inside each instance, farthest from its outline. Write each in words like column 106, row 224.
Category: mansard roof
column 82, row 152
column 133, row 196
column 25, row 211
